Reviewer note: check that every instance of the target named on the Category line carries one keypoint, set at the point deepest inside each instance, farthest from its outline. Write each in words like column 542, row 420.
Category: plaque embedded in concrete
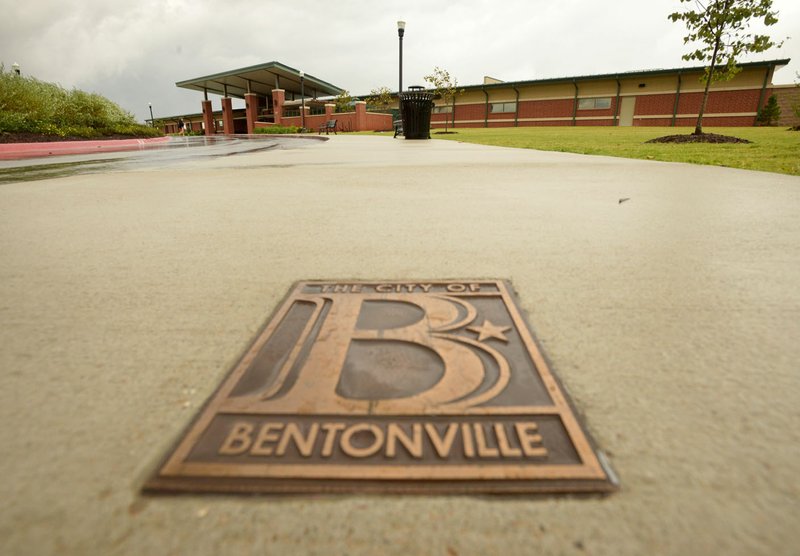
column 426, row 386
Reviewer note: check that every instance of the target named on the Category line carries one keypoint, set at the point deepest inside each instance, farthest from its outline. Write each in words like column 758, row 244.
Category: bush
column 770, row 113
column 277, row 129
column 28, row 105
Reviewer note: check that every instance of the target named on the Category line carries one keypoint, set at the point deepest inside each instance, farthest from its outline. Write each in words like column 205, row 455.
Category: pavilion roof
column 260, row 79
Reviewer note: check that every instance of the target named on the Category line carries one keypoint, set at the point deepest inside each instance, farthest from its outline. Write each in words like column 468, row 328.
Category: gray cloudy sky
column 134, row 51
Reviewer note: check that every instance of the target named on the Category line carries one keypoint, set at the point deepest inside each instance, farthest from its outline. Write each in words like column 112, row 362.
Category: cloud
column 134, row 52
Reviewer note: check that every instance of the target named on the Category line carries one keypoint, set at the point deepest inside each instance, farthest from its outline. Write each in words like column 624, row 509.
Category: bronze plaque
column 426, row 387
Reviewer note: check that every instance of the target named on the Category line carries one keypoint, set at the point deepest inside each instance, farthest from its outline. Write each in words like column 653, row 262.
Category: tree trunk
column 698, row 128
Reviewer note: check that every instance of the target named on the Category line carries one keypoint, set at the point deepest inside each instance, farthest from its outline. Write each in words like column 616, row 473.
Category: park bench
column 327, row 127
column 398, row 127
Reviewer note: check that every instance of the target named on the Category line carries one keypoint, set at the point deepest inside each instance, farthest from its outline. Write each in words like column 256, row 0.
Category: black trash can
column 415, row 108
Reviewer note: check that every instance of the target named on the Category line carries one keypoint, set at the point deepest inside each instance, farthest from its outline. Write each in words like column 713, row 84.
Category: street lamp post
column 401, row 30
column 15, row 67
column 302, row 101
column 152, row 121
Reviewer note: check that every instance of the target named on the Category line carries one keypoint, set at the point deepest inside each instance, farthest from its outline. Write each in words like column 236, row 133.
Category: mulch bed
column 701, row 138
column 39, row 138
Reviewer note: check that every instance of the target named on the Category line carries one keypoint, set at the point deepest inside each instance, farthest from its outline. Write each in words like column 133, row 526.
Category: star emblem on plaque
column 430, row 386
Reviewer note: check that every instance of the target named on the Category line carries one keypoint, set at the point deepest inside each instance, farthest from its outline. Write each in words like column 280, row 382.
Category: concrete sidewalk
column 672, row 319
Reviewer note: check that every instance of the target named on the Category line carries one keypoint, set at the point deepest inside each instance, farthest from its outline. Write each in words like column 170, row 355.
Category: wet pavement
column 175, row 152
column 672, row 320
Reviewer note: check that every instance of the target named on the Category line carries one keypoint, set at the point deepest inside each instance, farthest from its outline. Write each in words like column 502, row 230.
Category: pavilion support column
column 361, row 116
column 227, row 116
column 251, row 108
column 278, row 98
column 208, row 117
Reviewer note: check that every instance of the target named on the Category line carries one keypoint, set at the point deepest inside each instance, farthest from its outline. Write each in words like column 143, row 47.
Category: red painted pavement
column 14, row 151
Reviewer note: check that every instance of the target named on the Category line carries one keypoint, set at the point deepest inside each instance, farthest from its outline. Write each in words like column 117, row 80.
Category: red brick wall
column 546, row 108
column 345, row 121
column 379, row 122
column 646, row 105
column 315, row 121
column 654, row 104
column 733, row 101
column 689, row 103
column 501, row 116
column 470, row 112
column 719, row 101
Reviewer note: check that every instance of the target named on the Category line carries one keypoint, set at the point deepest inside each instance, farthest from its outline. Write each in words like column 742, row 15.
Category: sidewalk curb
column 15, row 151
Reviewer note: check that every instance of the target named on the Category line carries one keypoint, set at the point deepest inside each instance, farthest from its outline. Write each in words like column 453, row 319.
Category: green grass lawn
column 773, row 149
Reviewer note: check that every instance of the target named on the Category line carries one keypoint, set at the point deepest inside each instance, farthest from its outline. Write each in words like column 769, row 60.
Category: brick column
column 251, row 107
column 208, row 117
column 329, row 108
column 227, row 116
column 361, row 116
column 278, row 98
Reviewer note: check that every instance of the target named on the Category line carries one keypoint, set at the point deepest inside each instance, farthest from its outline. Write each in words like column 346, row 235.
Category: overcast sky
column 133, row 52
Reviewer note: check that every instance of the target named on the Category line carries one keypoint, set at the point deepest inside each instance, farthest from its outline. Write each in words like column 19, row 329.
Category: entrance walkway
column 672, row 319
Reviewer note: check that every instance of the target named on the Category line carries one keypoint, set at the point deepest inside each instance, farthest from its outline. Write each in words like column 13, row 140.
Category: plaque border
column 592, row 475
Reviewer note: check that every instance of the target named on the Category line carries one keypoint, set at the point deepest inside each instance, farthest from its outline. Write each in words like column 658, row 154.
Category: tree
column 770, row 112
column 380, row 97
column 444, row 87
column 720, row 28
column 343, row 102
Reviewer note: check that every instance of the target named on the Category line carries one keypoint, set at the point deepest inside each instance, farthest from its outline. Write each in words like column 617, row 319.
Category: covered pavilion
column 265, row 88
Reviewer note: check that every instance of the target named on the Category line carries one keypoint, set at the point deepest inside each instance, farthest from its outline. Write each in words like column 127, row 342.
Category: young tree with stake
column 720, row 28
column 444, row 87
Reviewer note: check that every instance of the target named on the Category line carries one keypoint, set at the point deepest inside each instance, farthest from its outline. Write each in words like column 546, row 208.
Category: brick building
column 274, row 94
column 669, row 97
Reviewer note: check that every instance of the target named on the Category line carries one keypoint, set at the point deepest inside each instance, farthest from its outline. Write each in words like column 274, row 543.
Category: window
column 594, row 103
column 497, row 107
column 443, row 109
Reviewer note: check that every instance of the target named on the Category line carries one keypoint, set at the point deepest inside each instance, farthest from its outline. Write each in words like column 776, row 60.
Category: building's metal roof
column 617, row 75
column 260, row 79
